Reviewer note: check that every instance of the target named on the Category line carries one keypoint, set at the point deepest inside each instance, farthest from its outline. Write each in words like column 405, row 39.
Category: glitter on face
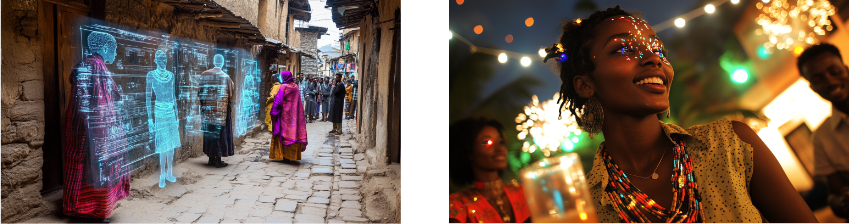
column 631, row 47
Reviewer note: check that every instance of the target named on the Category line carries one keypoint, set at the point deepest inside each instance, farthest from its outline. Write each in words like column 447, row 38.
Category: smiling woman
column 477, row 156
column 616, row 78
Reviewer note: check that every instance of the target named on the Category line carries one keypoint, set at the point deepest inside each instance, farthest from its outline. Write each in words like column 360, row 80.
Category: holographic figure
column 249, row 97
column 163, row 125
column 95, row 175
column 216, row 91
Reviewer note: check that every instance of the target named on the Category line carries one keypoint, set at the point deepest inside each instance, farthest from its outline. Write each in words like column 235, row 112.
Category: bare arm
column 770, row 189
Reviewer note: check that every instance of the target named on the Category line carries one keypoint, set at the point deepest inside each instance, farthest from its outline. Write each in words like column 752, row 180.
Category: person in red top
column 477, row 156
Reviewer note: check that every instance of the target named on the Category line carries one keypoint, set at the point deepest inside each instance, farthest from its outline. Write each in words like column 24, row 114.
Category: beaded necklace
column 494, row 193
column 628, row 200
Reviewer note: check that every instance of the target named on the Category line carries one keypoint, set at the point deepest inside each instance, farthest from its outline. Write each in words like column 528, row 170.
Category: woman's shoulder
column 708, row 131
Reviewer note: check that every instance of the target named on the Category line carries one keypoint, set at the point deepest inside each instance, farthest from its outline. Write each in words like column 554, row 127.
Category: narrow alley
column 327, row 186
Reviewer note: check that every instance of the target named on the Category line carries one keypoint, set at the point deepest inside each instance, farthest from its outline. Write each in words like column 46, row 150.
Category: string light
column 525, row 61
column 542, row 52
column 680, row 22
column 503, row 58
column 779, row 21
column 709, row 8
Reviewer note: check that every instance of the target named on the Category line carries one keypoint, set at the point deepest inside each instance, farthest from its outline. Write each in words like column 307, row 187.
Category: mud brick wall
column 22, row 111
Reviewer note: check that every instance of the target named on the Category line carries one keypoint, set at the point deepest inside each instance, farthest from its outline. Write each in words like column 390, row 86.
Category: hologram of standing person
column 95, row 177
column 162, row 117
column 216, row 93
column 827, row 74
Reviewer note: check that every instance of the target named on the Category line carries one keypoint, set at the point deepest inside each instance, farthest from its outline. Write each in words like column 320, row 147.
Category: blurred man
column 353, row 97
column 826, row 72
column 326, row 94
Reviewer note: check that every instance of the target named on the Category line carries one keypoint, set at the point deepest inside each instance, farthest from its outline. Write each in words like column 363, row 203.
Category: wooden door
column 394, row 116
column 61, row 41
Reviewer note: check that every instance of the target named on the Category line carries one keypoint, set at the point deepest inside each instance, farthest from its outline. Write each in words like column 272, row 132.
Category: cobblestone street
column 323, row 188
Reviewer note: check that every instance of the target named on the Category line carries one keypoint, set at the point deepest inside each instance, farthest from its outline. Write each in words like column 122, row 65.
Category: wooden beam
column 241, row 31
column 220, row 24
column 199, row 15
column 196, row 7
column 300, row 10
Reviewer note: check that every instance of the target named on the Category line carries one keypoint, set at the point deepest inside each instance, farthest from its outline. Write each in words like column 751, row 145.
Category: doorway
column 59, row 25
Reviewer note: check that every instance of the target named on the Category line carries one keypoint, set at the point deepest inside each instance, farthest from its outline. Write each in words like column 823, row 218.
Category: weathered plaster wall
column 375, row 85
column 245, row 8
column 276, row 11
column 22, row 111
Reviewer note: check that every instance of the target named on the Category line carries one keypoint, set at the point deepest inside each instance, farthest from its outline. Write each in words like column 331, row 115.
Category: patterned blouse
column 470, row 206
column 723, row 167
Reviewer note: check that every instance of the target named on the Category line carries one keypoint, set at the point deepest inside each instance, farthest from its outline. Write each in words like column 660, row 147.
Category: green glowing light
column 740, row 75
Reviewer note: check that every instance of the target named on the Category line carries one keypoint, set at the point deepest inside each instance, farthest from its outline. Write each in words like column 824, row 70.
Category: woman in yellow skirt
column 289, row 130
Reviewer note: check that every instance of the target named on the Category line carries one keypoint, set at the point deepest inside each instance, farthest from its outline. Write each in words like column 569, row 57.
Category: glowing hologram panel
column 163, row 124
column 98, row 97
column 160, row 99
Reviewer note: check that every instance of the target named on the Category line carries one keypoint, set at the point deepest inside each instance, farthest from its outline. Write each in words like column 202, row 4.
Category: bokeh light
column 503, row 58
column 709, row 8
column 542, row 52
column 740, row 75
column 735, row 1
column 509, row 38
column 478, row 29
column 680, row 22
column 798, row 50
column 529, row 22
column 450, row 35
column 541, row 129
column 459, row 2
column 525, row 61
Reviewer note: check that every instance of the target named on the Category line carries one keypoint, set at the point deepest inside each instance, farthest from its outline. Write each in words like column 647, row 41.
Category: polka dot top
column 723, row 166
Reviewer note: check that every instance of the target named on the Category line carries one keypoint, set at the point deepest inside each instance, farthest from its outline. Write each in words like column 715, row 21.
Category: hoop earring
column 591, row 118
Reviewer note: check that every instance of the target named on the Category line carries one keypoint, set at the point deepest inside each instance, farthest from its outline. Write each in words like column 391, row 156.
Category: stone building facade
column 309, row 39
column 32, row 66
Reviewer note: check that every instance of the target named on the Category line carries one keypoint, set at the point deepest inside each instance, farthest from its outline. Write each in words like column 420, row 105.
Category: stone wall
column 273, row 25
column 22, row 111
column 309, row 66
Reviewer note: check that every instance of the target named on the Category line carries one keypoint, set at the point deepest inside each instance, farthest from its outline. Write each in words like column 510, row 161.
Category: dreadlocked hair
column 572, row 52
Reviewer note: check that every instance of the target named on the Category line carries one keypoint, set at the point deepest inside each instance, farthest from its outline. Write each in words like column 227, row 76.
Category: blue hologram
column 159, row 99
column 163, row 124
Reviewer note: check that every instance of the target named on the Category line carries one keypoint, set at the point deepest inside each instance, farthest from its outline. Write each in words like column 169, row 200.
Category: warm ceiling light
column 709, row 8
column 680, row 22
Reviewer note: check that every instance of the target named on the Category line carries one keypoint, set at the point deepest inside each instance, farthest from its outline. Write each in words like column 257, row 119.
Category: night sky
column 502, row 17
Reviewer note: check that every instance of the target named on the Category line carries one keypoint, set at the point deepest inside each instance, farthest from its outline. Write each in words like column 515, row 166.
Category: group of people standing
column 328, row 99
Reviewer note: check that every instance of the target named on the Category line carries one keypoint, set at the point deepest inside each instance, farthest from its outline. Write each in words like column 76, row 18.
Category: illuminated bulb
column 680, row 22
column 525, row 61
column 798, row 50
column 503, row 58
column 765, row 1
column 735, row 1
column 532, row 148
column 542, row 53
column 709, row 8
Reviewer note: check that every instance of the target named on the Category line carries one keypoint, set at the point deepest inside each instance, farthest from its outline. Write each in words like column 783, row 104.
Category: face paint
column 630, row 47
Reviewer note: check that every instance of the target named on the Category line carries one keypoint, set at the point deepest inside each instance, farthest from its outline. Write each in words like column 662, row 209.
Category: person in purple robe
column 289, row 135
